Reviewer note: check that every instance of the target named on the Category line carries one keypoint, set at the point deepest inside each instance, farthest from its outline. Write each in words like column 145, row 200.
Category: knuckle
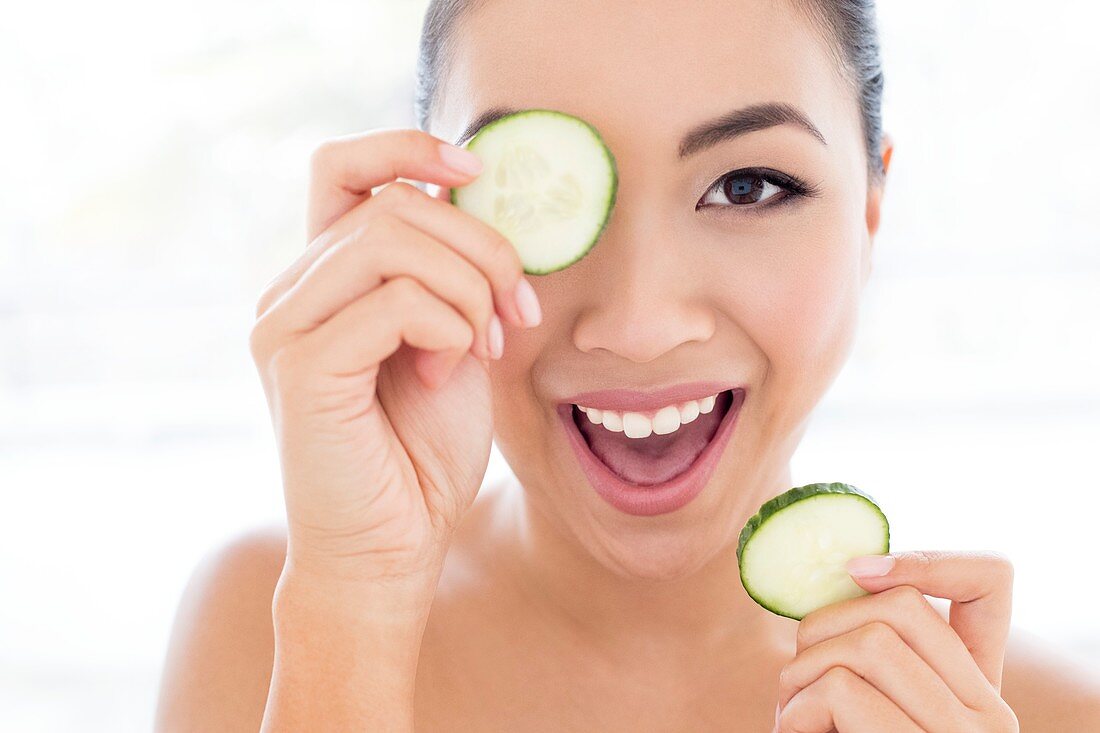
column 907, row 595
column 257, row 344
column 284, row 364
column 838, row 681
column 921, row 558
column 321, row 155
column 270, row 294
column 382, row 225
column 410, row 136
column 383, row 229
column 407, row 142
column 403, row 290
column 264, row 302
column 1002, row 566
column 398, row 193
column 876, row 637
column 420, row 141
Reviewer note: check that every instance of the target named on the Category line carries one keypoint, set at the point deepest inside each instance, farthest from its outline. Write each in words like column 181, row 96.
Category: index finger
column 344, row 170
column 978, row 584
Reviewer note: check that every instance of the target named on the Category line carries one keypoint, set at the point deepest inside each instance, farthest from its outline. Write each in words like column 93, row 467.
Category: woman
column 752, row 168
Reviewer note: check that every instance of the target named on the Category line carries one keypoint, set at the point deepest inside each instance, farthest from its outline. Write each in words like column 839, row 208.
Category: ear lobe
column 874, row 210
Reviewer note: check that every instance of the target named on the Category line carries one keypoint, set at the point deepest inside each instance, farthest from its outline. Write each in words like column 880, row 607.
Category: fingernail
column 528, row 303
column 870, row 566
column 496, row 337
column 459, row 159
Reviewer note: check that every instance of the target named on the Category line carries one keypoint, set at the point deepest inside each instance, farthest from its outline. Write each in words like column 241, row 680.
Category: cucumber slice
column 548, row 184
column 793, row 551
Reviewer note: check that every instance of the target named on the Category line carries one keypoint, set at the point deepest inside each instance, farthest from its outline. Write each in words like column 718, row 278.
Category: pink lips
column 660, row 498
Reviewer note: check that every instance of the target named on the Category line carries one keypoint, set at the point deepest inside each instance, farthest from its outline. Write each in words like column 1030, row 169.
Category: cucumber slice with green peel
column 548, row 184
column 792, row 553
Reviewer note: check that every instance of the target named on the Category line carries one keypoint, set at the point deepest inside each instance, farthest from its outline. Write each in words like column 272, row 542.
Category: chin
column 658, row 550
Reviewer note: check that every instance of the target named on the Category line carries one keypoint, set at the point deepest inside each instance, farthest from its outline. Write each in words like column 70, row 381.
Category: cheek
column 796, row 297
column 810, row 309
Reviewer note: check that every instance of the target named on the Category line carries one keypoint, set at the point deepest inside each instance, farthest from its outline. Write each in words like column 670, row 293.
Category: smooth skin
column 400, row 597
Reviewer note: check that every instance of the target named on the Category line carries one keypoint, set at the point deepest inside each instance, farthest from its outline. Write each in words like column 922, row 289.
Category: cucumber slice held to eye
column 792, row 553
column 548, row 184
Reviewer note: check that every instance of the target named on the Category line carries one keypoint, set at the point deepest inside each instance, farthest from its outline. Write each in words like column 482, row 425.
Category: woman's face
column 747, row 287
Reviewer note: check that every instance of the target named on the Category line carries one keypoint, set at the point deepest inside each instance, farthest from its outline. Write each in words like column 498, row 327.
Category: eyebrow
column 743, row 121
column 708, row 134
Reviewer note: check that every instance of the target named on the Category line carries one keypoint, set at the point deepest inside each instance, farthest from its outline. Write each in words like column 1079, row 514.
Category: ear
column 875, row 194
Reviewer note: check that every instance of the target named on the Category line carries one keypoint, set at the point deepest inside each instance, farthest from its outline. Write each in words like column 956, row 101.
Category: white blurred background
column 152, row 180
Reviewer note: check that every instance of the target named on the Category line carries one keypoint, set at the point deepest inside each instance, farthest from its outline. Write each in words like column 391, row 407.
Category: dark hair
column 848, row 27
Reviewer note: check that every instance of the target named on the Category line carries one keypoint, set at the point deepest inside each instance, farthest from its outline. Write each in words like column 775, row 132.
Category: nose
column 649, row 304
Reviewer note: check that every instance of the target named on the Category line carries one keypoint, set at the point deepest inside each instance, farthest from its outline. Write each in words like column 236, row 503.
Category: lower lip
column 653, row 499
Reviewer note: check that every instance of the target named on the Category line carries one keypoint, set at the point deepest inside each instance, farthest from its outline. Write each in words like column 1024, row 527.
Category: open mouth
column 647, row 449
column 652, row 461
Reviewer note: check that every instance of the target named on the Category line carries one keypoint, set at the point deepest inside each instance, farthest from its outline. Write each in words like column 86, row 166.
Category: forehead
column 640, row 66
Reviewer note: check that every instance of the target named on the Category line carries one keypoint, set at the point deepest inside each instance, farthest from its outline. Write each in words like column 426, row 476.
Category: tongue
column 658, row 458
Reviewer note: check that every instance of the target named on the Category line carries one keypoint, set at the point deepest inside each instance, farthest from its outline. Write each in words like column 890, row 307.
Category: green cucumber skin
column 784, row 500
column 612, row 193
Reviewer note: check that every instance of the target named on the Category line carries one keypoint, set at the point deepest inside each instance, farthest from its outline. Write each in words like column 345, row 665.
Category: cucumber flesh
column 792, row 553
column 548, row 184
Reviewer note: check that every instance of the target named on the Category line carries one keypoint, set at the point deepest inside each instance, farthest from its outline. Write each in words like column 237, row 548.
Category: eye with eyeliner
column 790, row 189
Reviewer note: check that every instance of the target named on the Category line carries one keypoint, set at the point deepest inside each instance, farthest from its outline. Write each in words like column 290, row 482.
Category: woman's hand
column 890, row 662
column 373, row 347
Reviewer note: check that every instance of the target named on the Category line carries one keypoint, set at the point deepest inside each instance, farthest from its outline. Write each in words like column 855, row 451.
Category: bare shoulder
column 1049, row 689
column 218, row 666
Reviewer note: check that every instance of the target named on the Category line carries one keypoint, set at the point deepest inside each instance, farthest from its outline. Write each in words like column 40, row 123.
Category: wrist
column 388, row 600
column 325, row 561
column 346, row 654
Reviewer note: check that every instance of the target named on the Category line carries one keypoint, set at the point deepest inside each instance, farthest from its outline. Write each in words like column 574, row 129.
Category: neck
column 705, row 609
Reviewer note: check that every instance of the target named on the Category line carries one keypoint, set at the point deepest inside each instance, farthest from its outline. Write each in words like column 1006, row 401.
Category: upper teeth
column 641, row 425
